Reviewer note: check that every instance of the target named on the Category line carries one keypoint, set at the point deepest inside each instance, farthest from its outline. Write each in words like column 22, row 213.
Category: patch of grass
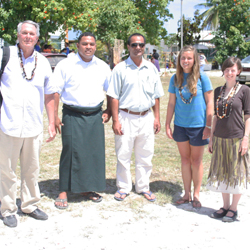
column 166, row 178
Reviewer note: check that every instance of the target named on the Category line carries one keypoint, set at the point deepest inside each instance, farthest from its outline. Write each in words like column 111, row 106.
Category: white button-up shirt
column 135, row 87
column 23, row 101
column 82, row 83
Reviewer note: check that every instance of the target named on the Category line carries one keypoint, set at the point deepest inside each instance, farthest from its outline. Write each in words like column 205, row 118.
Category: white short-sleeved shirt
column 80, row 83
column 23, row 100
column 135, row 87
column 202, row 60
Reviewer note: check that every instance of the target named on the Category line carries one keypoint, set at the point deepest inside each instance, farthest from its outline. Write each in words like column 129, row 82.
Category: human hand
column 157, row 126
column 210, row 146
column 52, row 133
column 117, row 128
column 244, row 145
column 58, row 124
column 206, row 133
column 105, row 116
column 169, row 132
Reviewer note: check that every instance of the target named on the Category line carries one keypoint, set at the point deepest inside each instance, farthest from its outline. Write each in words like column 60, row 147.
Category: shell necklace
column 225, row 106
column 22, row 67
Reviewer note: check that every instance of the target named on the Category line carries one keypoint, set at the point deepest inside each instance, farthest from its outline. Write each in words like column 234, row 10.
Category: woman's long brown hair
column 193, row 76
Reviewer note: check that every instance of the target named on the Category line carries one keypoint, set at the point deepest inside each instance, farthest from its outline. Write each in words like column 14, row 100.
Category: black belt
column 78, row 111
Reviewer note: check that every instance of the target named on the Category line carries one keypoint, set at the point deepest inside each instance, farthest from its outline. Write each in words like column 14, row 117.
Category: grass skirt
column 229, row 171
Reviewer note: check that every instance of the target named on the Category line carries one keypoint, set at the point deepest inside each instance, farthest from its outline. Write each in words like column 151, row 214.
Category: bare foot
column 118, row 195
column 196, row 203
column 220, row 211
column 93, row 196
column 149, row 195
column 183, row 200
column 230, row 214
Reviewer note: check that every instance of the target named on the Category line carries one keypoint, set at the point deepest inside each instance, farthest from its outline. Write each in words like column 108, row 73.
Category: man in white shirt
column 203, row 61
column 135, row 88
column 25, row 87
column 81, row 81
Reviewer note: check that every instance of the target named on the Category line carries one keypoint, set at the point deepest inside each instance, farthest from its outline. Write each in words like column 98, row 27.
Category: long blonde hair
column 193, row 76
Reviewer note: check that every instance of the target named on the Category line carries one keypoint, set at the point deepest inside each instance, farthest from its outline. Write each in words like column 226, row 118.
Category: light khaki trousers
column 138, row 133
column 28, row 150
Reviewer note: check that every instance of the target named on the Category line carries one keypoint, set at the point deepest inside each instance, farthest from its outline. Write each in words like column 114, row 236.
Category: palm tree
column 211, row 15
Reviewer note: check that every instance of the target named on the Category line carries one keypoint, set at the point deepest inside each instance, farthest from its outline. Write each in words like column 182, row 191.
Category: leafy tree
column 51, row 15
column 108, row 19
column 151, row 17
column 191, row 30
column 113, row 20
column 234, row 27
column 211, row 15
column 170, row 40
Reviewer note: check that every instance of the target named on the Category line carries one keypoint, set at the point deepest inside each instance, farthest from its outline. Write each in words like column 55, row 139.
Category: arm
column 58, row 122
column 170, row 113
column 244, row 144
column 210, row 145
column 117, row 128
column 209, row 113
column 50, row 105
column 107, row 112
column 156, row 109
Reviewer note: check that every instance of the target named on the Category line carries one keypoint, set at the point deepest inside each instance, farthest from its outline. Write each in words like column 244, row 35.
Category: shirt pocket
column 148, row 85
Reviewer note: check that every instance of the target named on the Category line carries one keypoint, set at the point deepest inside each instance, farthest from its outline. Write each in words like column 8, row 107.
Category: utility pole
column 181, row 26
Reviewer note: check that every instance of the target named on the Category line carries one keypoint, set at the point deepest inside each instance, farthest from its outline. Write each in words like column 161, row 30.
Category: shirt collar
column 131, row 62
column 79, row 59
column 32, row 56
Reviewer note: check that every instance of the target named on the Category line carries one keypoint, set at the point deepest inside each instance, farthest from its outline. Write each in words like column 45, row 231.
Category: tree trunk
column 111, row 55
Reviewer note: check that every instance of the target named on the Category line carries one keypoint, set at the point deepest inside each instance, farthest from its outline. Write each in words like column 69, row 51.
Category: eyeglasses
column 134, row 45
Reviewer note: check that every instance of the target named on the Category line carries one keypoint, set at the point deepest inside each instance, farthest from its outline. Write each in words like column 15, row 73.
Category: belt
column 81, row 112
column 135, row 113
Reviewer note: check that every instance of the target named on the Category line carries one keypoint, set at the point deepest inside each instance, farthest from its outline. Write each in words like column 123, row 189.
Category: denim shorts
column 193, row 135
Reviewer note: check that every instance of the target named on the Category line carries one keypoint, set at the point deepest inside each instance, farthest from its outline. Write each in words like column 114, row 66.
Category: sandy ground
column 131, row 224
column 112, row 225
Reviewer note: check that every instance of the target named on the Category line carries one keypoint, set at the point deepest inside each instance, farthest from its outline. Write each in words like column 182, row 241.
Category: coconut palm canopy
column 211, row 14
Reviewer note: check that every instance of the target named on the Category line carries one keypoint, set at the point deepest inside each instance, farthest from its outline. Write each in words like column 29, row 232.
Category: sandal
column 196, row 204
column 91, row 195
column 149, row 194
column 230, row 218
column 217, row 215
column 121, row 194
column 62, row 201
column 182, row 201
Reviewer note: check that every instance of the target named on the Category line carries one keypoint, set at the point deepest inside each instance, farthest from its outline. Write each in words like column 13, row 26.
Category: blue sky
column 188, row 10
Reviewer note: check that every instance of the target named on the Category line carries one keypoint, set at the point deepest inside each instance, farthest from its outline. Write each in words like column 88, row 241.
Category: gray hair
column 19, row 26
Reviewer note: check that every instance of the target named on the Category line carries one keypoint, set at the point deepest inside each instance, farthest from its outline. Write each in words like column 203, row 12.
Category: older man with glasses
column 135, row 87
column 25, row 87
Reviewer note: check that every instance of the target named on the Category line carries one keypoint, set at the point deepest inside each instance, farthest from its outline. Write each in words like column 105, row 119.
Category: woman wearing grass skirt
column 229, row 170
column 191, row 100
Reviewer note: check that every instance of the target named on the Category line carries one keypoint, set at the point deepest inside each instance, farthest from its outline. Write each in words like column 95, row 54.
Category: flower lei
column 21, row 64
column 224, row 107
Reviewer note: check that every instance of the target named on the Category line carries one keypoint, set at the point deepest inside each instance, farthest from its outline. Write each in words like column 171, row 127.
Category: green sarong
column 82, row 162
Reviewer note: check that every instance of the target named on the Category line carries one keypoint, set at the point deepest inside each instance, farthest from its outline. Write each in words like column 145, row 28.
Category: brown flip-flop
column 196, row 204
column 91, row 196
column 182, row 201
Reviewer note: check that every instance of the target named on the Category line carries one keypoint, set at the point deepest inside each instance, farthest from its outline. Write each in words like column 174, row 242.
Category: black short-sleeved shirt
column 233, row 126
